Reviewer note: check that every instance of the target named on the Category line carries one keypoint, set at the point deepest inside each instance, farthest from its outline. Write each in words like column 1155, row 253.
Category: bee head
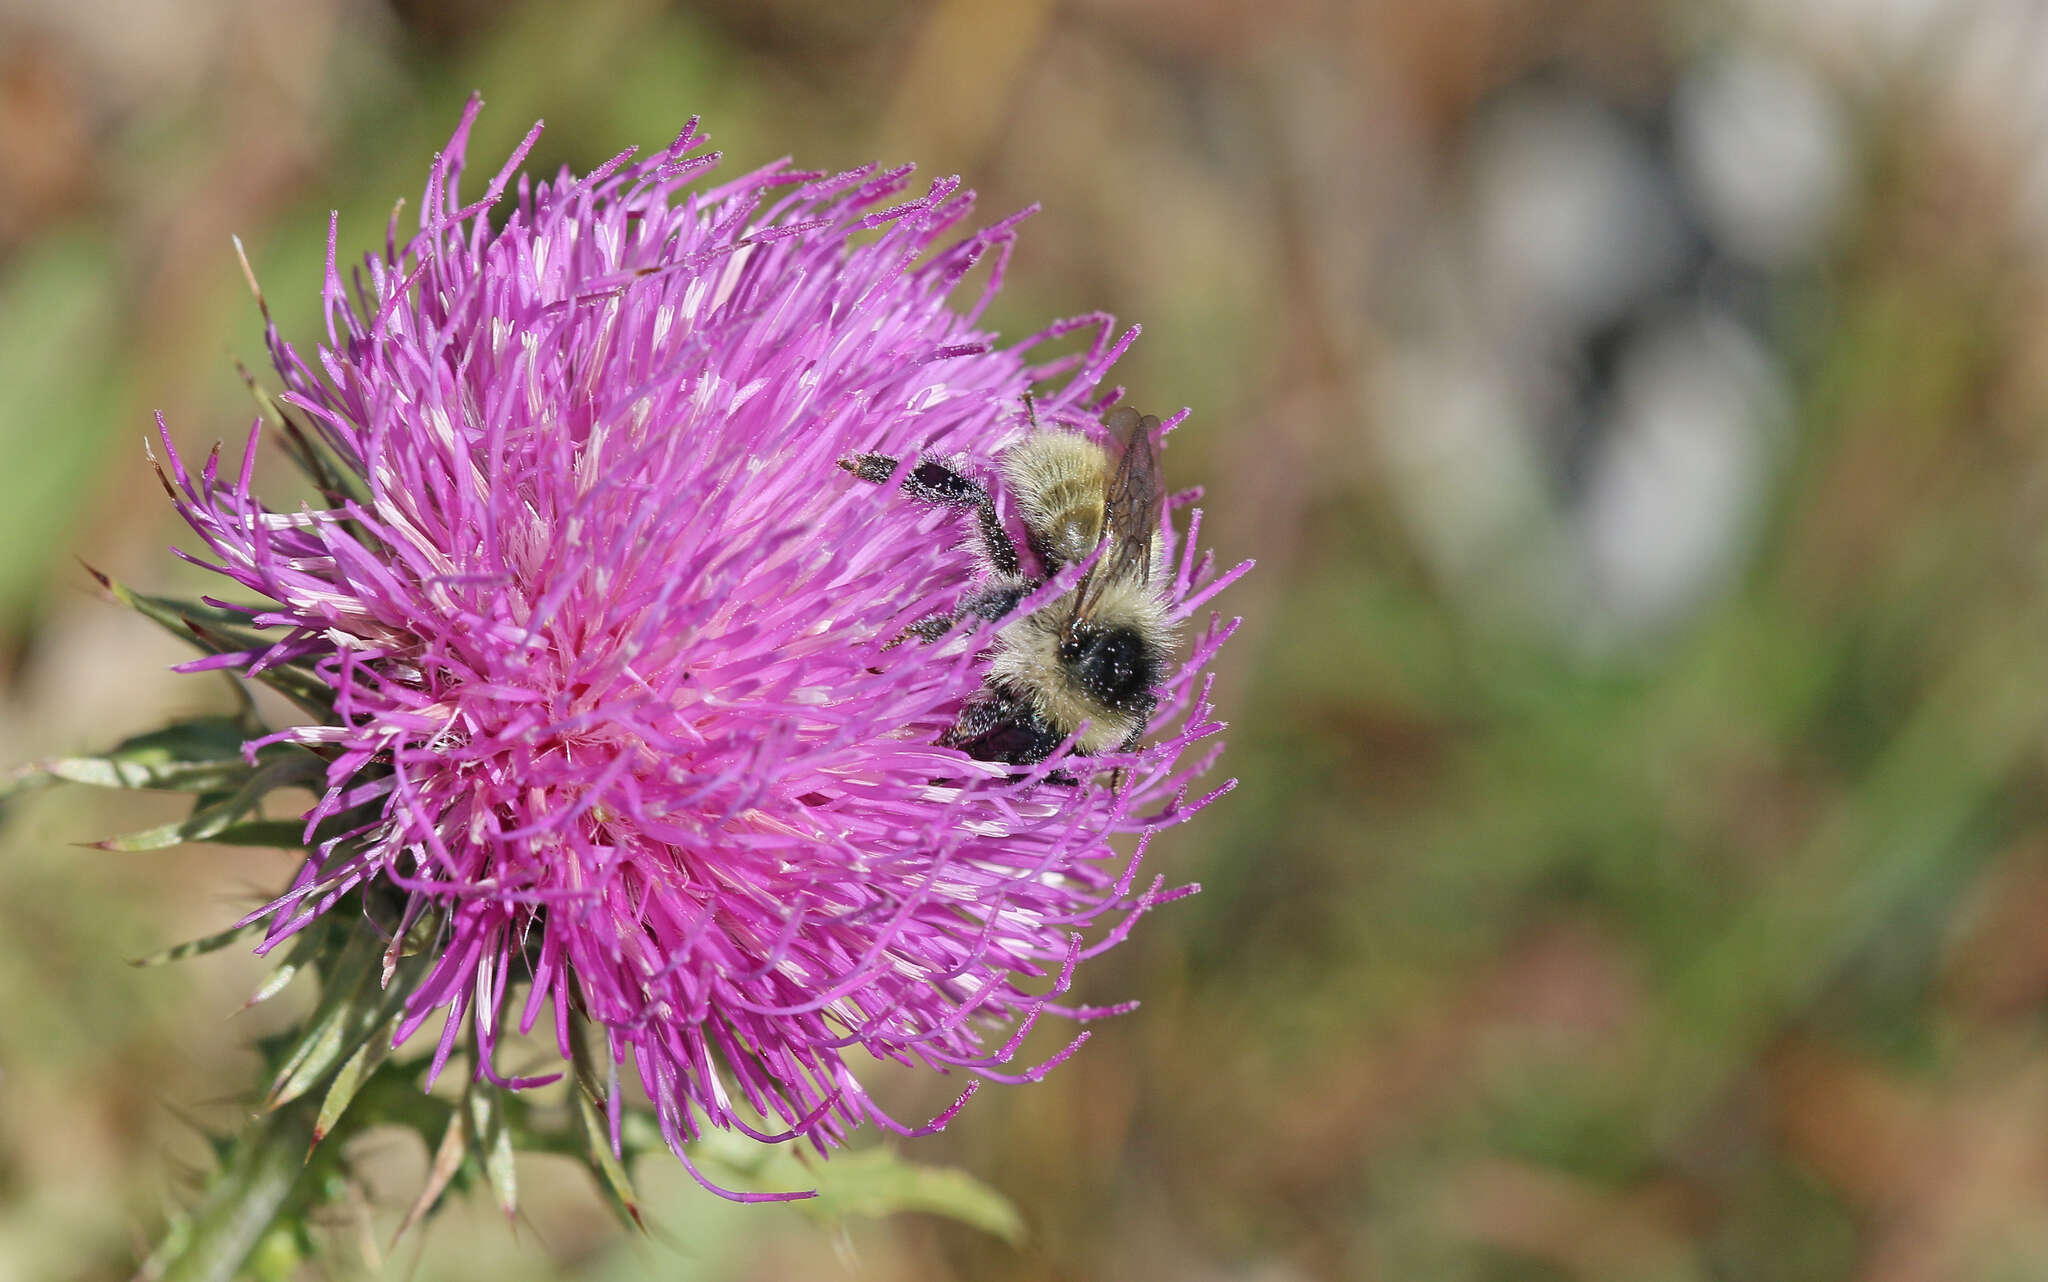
column 1112, row 665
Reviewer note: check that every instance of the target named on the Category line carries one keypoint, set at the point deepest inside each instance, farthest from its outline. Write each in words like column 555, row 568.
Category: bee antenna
column 1031, row 410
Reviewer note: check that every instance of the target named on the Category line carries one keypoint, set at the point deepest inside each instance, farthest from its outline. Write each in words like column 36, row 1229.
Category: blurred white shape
column 1580, row 413
column 1469, row 479
column 1673, row 486
column 1900, row 26
column 1981, row 65
column 1764, row 154
column 1569, row 219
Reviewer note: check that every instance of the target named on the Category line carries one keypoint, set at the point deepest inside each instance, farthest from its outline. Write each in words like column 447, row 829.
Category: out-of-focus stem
column 243, row 1200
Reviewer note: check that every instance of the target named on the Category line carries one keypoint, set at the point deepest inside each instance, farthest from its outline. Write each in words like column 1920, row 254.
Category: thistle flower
column 607, row 636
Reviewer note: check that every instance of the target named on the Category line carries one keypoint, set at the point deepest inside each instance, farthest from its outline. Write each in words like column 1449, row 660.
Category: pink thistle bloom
column 607, row 631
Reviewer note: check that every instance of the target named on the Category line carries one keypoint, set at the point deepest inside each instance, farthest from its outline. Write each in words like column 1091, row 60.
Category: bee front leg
column 930, row 628
column 990, row 603
column 933, row 482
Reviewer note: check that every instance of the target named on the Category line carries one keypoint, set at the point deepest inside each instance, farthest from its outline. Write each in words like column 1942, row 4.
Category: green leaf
column 173, row 614
column 283, row 833
column 201, row 755
column 259, row 1176
column 351, row 1008
column 200, row 947
column 595, row 1132
column 605, row 1165
column 272, row 984
column 247, row 715
column 218, row 631
column 211, row 821
column 354, row 1073
column 448, row 1158
column 870, row 1182
column 299, row 953
column 491, row 1139
column 880, row 1181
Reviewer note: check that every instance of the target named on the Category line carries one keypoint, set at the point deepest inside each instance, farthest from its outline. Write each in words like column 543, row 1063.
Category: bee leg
column 933, row 482
column 930, row 628
column 985, row 714
column 1141, row 721
column 997, row 600
column 999, row 726
column 873, row 468
column 1130, row 743
column 990, row 603
column 1062, row 779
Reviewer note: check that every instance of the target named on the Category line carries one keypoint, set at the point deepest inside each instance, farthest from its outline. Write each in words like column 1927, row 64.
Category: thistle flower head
column 607, row 634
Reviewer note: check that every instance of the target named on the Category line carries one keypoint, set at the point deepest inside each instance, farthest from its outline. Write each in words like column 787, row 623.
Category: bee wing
column 1132, row 507
column 1137, row 498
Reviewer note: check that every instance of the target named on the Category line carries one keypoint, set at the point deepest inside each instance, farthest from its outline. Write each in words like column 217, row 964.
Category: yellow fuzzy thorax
column 1027, row 660
column 1058, row 480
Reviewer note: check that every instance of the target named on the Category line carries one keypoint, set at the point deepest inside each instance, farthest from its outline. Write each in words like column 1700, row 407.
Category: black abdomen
column 1001, row 726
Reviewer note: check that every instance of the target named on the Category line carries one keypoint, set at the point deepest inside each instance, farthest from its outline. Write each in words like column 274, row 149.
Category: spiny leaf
column 210, row 821
column 199, row 947
column 283, row 833
column 220, row 631
column 604, row 1165
column 260, row 1177
column 366, row 1017
column 491, row 1139
column 348, row 1010
column 304, row 947
column 448, row 1158
column 200, row 755
column 354, row 1073
column 273, row 984
column 171, row 613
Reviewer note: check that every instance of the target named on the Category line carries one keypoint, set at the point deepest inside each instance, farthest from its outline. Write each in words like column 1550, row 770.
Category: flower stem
column 243, row 1200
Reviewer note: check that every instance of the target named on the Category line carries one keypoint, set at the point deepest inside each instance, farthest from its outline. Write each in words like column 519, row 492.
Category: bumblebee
column 1090, row 660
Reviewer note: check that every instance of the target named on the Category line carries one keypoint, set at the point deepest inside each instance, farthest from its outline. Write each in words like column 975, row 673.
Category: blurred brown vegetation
column 1534, row 945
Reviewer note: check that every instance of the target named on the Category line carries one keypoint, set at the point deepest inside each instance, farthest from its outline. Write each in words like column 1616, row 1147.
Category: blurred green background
column 1640, row 869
